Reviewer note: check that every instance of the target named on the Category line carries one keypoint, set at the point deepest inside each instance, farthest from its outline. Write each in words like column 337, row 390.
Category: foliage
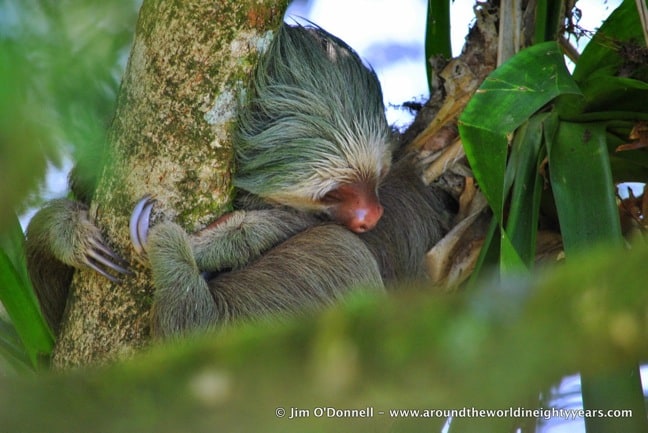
column 485, row 349
column 562, row 130
column 17, row 296
column 60, row 66
column 549, row 113
column 437, row 34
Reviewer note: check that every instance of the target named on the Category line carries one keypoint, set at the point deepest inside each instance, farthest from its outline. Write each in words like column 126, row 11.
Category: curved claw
column 93, row 254
column 117, row 261
column 100, row 271
column 144, row 222
column 99, row 254
column 133, row 223
column 139, row 223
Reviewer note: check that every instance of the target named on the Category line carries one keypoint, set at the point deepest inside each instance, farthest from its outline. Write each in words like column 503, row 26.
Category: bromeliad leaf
column 507, row 98
column 582, row 185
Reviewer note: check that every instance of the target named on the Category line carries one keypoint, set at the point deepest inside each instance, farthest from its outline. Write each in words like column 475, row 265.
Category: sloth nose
column 365, row 219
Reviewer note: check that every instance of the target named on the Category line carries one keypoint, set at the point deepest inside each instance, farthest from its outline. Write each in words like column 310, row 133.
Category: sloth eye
column 332, row 197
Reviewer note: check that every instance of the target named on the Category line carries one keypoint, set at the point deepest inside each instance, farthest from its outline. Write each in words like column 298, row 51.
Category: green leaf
column 506, row 99
column 527, row 153
column 625, row 169
column 12, row 350
column 548, row 20
column 510, row 260
column 607, row 94
column 17, row 296
column 601, row 56
column 437, row 34
column 487, row 150
column 583, row 193
column 618, row 389
column 489, row 256
column 582, row 185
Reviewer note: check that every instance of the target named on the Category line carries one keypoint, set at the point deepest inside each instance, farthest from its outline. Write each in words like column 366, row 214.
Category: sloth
column 323, row 206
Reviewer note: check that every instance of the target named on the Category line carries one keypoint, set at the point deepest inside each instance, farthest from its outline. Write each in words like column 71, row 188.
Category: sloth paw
column 86, row 247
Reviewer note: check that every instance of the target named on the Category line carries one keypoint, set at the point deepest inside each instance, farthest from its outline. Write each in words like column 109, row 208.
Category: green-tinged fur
column 182, row 299
column 244, row 237
column 56, row 240
column 311, row 269
column 315, row 118
column 290, row 278
column 295, row 276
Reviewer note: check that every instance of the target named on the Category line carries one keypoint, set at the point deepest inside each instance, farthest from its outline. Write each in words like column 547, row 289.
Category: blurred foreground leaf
column 485, row 349
column 60, row 67
column 17, row 297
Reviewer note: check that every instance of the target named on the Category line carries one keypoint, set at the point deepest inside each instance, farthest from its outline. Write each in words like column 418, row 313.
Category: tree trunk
column 170, row 138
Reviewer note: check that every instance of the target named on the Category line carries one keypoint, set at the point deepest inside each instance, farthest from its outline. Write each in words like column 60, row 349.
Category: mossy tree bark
column 170, row 138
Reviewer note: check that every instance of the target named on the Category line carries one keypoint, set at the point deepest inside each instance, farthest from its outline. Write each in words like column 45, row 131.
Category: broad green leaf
column 601, row 56
column 487, row 150
column 17, row 296
column 582, row 185
column 507, row 98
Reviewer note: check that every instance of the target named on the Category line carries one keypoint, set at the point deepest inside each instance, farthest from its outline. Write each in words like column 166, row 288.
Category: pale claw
column 139, row 223
column 98, row 254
